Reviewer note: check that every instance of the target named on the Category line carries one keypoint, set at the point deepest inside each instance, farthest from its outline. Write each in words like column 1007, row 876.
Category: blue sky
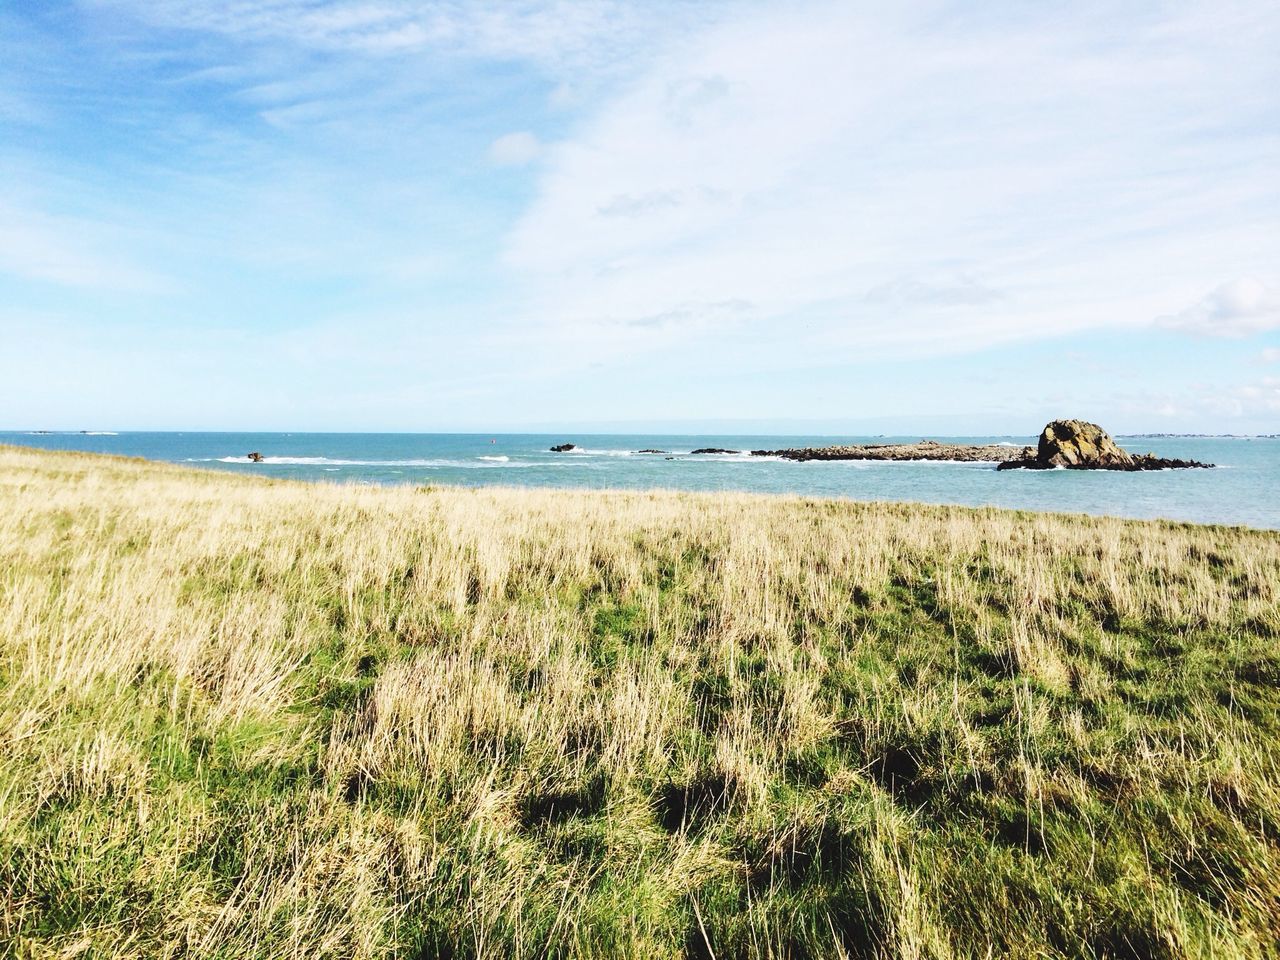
column 364, row 215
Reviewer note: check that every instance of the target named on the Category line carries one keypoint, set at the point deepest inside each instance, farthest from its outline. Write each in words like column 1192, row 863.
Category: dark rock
column 714, row 450
column 1078, row 445
column 564, row 447
column 256, row 457
column 924, row 450
column 1140, row 462
column 651, row 451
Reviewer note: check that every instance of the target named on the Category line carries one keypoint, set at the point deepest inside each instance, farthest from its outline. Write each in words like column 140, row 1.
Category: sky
column 433, row 215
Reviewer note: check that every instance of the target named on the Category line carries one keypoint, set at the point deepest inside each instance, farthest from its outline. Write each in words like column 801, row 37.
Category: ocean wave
column 868, row 464
column 591, row 452
column 333, row 463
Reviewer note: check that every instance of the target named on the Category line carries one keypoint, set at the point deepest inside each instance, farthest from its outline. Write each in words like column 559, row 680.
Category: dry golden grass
column 253, row 718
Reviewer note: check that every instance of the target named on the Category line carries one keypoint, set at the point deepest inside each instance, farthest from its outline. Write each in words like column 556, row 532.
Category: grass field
column 243, row 718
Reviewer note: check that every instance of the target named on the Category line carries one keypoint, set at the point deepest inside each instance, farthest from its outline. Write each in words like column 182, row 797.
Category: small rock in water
column 564, row 447
column 256, row 457
column 714, row 450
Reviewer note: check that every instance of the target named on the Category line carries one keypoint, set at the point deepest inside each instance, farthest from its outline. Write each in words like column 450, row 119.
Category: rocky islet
column 1063, row 444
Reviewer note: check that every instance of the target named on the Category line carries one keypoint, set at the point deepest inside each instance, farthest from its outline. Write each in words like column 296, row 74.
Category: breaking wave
column 331, row 464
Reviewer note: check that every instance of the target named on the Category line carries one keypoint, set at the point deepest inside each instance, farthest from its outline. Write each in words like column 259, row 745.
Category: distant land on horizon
column 722, row 429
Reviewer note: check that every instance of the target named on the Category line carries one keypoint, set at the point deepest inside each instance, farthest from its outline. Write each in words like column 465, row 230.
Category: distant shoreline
column 942, row 437
column 1198, row 436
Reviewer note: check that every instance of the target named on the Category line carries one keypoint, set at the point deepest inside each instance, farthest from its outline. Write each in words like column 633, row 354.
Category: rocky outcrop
column 256, row 457
column 713, row 450
column 651, row 451
column 1079, row 445
column 1076, row 443
column 924, row 450
column 564, row 447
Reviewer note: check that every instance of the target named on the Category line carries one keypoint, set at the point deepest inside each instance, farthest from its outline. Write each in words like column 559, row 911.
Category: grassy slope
column 243, row 718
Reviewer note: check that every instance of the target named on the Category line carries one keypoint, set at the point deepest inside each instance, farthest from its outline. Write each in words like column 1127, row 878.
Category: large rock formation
column 1075, row 443
column 1078, row 445
column 1072, row 444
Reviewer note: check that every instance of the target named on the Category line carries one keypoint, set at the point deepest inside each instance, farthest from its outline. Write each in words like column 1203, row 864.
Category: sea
column 1244, row 489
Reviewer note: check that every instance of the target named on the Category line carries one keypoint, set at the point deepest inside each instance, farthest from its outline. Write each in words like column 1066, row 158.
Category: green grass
column 249, row 719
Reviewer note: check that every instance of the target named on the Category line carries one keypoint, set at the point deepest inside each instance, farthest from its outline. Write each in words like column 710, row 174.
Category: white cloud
column 1222, row 406
column 1270, row 355
column 869, row 179
column 515, row 149
column 1257, row 400
column 768, row 203
column 1265, row 394
column 1236, row 309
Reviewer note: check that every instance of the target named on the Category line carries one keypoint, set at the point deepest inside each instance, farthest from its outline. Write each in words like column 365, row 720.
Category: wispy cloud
column 515, row 149
column 557, row 34
column 855, row 172
column 944, row 292
column 71, row 252
column 1236, row 309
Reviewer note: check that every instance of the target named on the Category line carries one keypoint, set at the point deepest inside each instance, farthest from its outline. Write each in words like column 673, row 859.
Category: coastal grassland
column 246, row 718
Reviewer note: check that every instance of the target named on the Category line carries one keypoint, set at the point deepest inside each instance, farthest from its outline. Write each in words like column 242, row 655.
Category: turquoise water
column 1244, row 490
